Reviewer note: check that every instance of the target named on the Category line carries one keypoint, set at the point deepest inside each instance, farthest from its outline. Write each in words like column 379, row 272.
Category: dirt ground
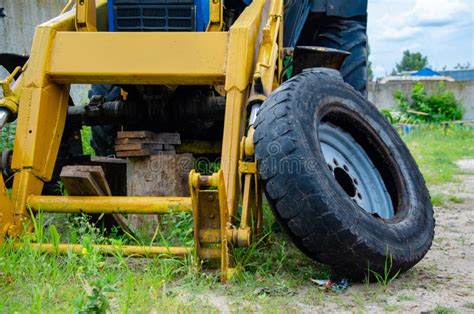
column 443, row 282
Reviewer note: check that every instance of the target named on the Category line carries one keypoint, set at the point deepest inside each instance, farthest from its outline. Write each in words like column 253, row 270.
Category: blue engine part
column 193, row 15
column 158, row 15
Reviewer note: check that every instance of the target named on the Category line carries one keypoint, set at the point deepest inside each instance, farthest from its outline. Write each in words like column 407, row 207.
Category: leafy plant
column 441, row 106
column 7, row 135
column 86, row 134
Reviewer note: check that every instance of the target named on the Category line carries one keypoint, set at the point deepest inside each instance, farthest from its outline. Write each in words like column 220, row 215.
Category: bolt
column 212, row 216
column 211, row 198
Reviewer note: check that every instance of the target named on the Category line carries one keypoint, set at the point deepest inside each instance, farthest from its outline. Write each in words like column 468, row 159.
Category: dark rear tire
column 314, row 205
column 103, row 136
column 348, row 35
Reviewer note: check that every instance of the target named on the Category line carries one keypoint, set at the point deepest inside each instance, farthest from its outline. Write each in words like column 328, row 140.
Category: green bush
column 423, row 108
column 7, row 135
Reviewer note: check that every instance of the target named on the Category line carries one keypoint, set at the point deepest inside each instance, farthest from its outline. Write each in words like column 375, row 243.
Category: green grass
column 443, row 310
column 268, row 274
column 469, row 306
column 438, row 200
column 437, row 149
column 455, row 199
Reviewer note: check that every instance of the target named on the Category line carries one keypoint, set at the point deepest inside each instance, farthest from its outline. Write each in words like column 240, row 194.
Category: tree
column 464, row 66
column 370, row 72
column 411, row 61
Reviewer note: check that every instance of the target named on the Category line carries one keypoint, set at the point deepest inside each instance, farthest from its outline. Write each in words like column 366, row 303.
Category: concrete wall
column 22, row 16
column 382, row 94
column 18, row 26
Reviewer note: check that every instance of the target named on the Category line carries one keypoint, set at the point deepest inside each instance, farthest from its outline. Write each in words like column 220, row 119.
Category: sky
column 443, row 30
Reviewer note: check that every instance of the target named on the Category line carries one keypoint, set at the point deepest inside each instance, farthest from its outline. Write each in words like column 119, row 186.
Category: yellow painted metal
column 242, row 45
column 209, row 236
column 113, row 249
column 69, row 5
column 269, row 50
column 245, row 60
column 11, row 99
column 209, row 254
column 248, row 167
column 216, row 14
column 169, row 58
column 109, row 205
column 226, row 267
column 41, row 117
column 86, row 16
column 6, row 214
column 248, row 144
column 264, row 78
column 211, row 223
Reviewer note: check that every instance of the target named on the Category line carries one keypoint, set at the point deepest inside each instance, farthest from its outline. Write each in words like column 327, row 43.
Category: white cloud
column 443, row 30
column 439, row 12
column 425, row 13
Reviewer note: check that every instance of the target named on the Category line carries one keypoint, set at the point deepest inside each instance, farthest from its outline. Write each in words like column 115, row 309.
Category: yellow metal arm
column 11, row 95
column 216, row 16
column 269, row 51
column 86, row 16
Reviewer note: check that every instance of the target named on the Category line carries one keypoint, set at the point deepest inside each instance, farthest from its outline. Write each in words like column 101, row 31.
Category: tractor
column 272, row 91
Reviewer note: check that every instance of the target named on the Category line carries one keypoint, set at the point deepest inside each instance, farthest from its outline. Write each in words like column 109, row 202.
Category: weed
column 359, row 300
column 390, row 307
column 455, row 199
column 443, row 310
column 385, row 279
column 55, row 238
column 469, row 306
column 404, row 297
column 437, row 200
column 86, row 134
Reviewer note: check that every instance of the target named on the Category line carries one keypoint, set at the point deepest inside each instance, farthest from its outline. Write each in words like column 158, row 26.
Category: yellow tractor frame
column 244, row 61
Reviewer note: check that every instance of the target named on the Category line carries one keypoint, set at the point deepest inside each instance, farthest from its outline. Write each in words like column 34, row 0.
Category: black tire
column 312, row 207
column 103, row 136
column 348, row 35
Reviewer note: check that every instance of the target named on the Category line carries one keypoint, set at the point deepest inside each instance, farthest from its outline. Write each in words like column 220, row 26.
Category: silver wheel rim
column 354, row 171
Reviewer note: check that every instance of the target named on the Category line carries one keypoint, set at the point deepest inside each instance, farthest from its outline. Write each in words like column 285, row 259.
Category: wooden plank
column 107, row 161
column 80, row 183
column 138, row 146
column 115, row 170
column 144, row 153
column 96, row 172
column 90, row 181
column 135, row 134
column 129, row 137
column 147, row 140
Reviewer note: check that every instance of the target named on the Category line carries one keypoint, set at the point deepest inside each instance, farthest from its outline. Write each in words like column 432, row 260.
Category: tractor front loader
column 337, row 176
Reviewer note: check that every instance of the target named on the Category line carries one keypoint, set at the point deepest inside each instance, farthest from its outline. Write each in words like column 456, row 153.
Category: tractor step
column 109, row 204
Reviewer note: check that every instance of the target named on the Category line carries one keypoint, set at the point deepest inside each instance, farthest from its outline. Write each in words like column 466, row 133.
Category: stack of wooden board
column 146, row 143
column 91, row 181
